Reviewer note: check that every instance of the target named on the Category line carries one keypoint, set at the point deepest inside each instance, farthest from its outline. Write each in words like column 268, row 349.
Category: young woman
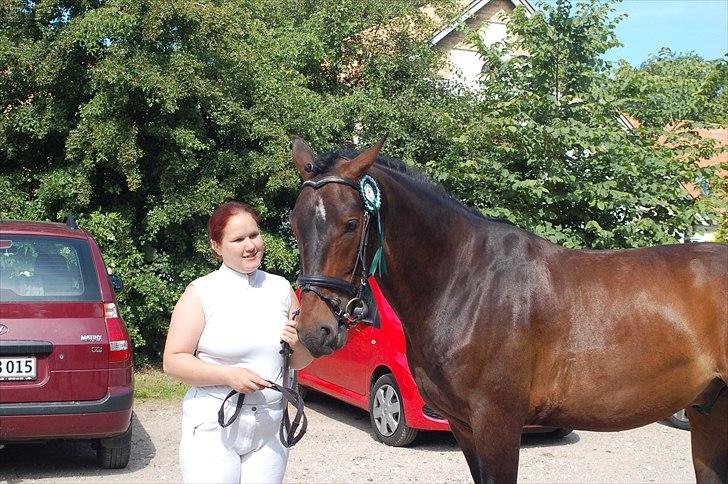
column 225, row 334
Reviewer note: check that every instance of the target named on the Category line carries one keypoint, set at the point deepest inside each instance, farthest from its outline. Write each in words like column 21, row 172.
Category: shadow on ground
column 432, row 440
column 63, row 458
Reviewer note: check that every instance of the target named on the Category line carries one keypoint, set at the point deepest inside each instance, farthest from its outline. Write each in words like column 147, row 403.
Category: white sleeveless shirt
column 244, row 318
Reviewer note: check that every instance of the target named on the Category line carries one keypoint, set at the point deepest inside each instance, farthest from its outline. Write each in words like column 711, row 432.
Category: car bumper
column 106, row 417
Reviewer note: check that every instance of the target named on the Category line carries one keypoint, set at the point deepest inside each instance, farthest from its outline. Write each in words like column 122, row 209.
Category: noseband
column 356, row 309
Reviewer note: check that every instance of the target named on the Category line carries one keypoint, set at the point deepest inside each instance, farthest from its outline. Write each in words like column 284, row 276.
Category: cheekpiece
column 370, row 193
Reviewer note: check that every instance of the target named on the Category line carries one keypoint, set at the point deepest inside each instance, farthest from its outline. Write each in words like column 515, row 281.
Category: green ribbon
column 371, row 195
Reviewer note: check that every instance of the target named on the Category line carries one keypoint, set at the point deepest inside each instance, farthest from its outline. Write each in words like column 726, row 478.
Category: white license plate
column 17, row 368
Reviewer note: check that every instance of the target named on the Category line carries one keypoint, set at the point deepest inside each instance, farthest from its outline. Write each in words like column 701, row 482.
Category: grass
column 151, row 383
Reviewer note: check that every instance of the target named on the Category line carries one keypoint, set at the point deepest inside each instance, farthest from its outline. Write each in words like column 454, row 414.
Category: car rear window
column 38, row 268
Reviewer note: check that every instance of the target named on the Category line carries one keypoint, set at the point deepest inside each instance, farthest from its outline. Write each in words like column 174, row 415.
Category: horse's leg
column 492, row 454
column 709, row 440
column 498, row 443
column 464, row 436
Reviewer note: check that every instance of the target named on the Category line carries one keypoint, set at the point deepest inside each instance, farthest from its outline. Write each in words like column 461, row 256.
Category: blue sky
column 700, row 26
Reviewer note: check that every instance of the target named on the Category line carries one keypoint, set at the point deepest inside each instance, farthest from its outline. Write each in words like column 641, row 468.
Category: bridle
column 356, row 309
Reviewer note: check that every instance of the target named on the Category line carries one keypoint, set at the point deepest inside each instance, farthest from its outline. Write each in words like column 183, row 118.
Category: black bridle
column 356, row 309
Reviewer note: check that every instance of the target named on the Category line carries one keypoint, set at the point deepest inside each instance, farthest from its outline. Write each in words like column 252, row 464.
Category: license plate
column 17, row 368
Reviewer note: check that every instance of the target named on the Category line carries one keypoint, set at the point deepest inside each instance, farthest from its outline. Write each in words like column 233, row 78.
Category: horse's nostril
column 325, row 331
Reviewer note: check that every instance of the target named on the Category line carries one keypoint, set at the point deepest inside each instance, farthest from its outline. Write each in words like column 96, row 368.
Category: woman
column 225, row 334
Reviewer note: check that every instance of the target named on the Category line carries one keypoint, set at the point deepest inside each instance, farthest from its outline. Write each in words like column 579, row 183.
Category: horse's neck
column 428, row 243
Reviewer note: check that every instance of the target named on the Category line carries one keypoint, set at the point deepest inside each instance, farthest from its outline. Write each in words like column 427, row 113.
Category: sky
column 699, row 26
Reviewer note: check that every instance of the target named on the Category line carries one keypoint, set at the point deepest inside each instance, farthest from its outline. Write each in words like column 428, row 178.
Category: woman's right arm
column 180, row 361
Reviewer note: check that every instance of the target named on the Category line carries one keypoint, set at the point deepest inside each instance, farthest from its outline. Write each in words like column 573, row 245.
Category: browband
column 330, row 179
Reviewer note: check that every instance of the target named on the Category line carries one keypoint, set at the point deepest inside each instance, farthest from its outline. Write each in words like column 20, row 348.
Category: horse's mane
column 325, row 162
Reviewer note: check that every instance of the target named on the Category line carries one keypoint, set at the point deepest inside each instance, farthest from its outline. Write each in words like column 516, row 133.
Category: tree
column 545, row 148
column 142, row 116
column 672, row 88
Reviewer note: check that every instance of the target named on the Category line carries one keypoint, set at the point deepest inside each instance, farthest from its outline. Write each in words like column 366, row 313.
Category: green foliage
column 671, row 88
column 142, row 116
column 546, row 149
column 721, row 235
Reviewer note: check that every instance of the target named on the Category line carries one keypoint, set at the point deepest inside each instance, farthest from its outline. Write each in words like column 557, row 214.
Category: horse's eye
column 351, row 225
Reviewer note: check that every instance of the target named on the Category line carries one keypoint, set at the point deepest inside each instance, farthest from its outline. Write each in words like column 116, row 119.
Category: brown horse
column 504, row 328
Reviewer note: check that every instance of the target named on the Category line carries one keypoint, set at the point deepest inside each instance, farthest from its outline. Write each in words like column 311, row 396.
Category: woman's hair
column 222, row 214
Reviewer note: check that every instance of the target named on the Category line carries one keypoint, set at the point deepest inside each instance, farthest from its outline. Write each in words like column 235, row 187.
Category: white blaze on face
column 321, row 210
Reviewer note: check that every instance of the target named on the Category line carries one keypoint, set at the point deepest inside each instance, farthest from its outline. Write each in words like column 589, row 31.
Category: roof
column 468, row 12
column 26, row 227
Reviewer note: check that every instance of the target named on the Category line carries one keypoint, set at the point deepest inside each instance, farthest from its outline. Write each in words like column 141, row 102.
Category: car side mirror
column 117, row 283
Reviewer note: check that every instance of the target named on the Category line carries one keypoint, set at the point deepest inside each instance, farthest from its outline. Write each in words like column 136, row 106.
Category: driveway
column 339, row 448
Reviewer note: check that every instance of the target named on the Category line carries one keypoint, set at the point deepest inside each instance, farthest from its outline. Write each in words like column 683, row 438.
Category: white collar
column 246, row 279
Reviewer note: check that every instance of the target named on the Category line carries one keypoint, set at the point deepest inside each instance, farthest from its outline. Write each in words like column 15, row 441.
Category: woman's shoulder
column 273, row 280
column 205, row 280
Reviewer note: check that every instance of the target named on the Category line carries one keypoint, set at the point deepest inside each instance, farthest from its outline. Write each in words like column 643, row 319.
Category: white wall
column 467, row 64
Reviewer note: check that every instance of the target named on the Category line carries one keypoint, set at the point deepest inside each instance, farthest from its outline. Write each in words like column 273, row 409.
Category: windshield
column 38, row 268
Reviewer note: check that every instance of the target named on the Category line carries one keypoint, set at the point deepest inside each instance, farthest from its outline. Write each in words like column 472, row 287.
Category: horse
column 504, row 328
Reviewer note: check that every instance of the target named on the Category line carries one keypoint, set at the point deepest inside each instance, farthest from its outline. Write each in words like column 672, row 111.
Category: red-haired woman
column 225, row 334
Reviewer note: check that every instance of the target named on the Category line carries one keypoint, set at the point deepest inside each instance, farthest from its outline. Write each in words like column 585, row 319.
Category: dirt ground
column 339, row 448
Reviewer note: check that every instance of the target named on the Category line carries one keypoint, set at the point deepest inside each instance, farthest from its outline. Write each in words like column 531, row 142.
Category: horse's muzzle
column 324, row 339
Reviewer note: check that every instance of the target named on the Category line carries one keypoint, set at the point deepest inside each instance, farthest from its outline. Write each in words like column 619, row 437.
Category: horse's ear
column 356, row 168
column 302, row 157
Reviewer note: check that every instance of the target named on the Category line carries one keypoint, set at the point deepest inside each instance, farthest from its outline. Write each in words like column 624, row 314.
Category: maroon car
column 65, row 354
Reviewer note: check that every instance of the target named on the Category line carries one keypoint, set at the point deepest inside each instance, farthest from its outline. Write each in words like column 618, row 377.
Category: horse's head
column 329, row 222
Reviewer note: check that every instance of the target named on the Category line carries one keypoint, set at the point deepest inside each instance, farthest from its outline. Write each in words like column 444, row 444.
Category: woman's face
column 241, row 247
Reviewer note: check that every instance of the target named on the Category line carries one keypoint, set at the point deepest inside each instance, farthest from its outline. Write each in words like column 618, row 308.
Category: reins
column 290, row 432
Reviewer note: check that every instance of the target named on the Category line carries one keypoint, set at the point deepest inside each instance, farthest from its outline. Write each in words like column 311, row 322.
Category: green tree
column 545, row 146
column 671, row 88
column 141, row 116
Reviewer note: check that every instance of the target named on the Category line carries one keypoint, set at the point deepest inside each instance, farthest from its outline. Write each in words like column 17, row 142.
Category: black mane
column 325, row 162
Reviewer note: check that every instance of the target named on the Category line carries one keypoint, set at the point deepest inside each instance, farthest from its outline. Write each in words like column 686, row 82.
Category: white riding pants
column 248, row 451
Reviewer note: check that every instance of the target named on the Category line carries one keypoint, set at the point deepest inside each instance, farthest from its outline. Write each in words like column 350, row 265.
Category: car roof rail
column 71, row 221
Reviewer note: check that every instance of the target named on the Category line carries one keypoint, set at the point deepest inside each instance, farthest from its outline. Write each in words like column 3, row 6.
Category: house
column 490, row 19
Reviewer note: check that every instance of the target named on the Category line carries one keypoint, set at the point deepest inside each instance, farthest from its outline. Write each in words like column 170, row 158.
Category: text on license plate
column 18, row 368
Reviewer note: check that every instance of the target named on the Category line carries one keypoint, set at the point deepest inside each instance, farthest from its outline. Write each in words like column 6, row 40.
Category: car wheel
column 679, row 420
column 114, row 452
column 386, row 411
column 113, row 457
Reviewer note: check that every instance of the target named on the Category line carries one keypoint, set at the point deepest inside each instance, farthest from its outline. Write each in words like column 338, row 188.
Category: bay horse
column 504, row 328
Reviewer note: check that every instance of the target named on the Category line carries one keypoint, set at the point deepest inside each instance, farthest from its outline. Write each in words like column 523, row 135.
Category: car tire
column 386, row 412
column 679, row 420
column 114, row 452
column 113, row 458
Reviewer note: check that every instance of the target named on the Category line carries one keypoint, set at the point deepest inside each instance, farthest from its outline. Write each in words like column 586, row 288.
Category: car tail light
column 118, row 337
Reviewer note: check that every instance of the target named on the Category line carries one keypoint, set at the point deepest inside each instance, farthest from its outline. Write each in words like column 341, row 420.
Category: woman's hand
column 243, row 380
column 290, row 333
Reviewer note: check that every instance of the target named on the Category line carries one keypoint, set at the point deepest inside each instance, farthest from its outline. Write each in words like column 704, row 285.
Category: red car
column 65, row 354
column 371, row 372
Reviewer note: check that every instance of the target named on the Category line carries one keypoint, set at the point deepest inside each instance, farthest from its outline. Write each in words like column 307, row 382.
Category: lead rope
column 289, row 432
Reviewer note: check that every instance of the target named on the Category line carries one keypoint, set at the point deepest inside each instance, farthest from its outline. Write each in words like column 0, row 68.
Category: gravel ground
column 339, row 448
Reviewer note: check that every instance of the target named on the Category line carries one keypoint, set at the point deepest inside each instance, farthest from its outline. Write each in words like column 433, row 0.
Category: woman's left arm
column 300, row 357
